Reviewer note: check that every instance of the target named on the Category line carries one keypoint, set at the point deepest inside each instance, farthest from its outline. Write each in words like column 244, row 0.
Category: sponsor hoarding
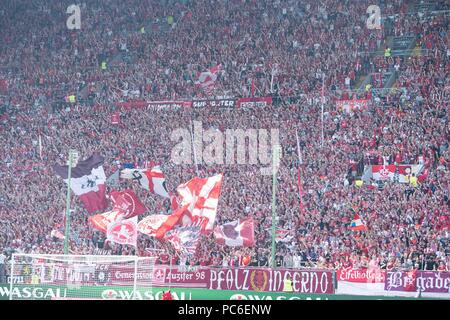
column 52, row 292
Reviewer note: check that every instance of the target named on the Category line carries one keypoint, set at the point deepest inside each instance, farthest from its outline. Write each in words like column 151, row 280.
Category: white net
column 67, row 277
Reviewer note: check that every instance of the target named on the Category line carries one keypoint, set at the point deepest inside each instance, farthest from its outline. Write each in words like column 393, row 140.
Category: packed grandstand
column 362, row 115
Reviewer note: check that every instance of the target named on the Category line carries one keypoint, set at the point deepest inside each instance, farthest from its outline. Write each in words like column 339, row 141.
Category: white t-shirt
column 2, row 258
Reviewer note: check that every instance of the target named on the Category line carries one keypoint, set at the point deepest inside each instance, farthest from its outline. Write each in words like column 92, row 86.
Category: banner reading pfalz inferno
column 261, row 279
column 424, row 281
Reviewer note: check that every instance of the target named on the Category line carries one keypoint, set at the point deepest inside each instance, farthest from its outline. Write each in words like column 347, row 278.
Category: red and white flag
column 383, row 172
column 150, row 224
column 202, row 197
column 127, row 203
column 158, row 225
column 282, row 235
column 357, row 224
column 87, row 181
column 236, row 233
column 207, row 79
column 103, row 220
column 123, row 231
column 152, row 179
column 57, row 234
column 185, row 238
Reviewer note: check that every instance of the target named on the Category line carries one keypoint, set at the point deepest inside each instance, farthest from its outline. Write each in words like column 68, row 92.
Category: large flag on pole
column 236, row 233
column 128, row 203
column 103, row 220
column 158, row 225
column 207, row 78
column 202, row 196
column 185, row 238
column 87, row 182
column 152, row 179
column 123, row 231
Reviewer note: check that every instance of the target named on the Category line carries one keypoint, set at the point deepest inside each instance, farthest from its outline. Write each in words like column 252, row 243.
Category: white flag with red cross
column 152, row 179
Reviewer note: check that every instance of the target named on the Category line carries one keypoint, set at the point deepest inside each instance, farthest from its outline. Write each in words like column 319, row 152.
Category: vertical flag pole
column 193, row 149
column 300, row 162
column 323, row 101
column 275, row 163
column 66, row 232
column 73, row 158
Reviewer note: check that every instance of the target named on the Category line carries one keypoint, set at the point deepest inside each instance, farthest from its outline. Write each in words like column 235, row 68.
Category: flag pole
column 323, row 101
column 275, row 163
column 193, row 149
column 67, row 225
column 300, row 162
column 73, row 157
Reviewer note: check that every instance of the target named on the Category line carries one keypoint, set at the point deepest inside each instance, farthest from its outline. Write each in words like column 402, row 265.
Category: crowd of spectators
column 281, row 49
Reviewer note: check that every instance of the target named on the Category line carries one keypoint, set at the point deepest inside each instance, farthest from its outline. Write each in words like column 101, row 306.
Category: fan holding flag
column 357, row 224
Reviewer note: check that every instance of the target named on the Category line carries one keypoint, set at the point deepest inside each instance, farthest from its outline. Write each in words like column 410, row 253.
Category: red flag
column 127, row 203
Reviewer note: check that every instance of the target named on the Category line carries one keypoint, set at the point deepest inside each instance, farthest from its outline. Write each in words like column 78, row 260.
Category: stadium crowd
column 275, row 48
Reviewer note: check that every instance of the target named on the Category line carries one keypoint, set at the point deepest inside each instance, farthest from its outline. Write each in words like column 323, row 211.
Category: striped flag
column 357, row 224
column 207, row 79
column 87, row 182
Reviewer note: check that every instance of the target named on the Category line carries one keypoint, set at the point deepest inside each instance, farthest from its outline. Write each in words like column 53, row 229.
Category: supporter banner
column 201, row 103
column 260, row 279
column 254, row 102
column 139, row 104
column 351, row 105
column 424, row 281
column 218, row 103
column 361, row 275
column 400, row 173
column 45, row 292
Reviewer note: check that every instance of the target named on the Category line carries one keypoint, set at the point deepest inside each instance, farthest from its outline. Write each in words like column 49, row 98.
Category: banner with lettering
column 365, row 275
column 351, row 105
column 424, row 281
column 254, row 102
column 264, row 279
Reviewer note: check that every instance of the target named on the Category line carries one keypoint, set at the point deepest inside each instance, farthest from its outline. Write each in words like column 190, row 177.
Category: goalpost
column 86, row 277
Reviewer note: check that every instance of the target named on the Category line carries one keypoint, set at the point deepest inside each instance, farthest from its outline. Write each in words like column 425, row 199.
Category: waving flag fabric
column 123, row 231
column 357, row 224
column 103, row 220
column 185, row 238
column 207, row 79
column 236, row 233
column 127, row 203
column 152, row 180
column 202, row 196
column 87, row 182
column 151, row 223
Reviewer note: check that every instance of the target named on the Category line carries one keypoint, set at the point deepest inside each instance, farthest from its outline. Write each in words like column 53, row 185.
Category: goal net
column 85, row 277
